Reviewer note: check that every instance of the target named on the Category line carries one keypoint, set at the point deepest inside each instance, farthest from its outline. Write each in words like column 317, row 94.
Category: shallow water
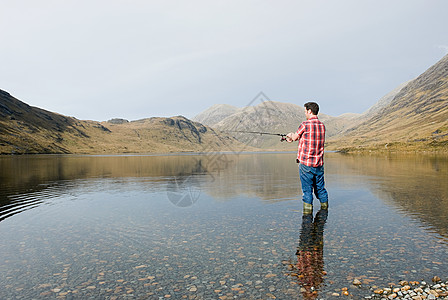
column 208, row 226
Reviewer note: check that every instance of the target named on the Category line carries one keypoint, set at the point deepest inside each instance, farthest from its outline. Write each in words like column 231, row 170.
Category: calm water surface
column 217, row 225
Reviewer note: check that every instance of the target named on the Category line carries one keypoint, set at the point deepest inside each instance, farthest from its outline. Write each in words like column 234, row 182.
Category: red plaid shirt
column 311, row 142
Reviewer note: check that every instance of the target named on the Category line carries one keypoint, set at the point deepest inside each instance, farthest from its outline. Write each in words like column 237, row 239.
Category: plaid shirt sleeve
column 311, row 142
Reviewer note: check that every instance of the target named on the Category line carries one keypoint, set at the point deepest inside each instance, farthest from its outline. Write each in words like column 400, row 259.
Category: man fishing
column 310, row 156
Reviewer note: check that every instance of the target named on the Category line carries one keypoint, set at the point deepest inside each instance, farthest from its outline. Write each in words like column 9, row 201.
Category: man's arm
column 294, row 136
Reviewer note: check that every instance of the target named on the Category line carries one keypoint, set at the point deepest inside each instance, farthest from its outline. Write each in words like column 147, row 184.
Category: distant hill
column 415, row 117
column 27, row 129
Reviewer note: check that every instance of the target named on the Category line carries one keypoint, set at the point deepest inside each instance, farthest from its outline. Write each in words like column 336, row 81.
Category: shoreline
column 414, row 290
column 348, row 151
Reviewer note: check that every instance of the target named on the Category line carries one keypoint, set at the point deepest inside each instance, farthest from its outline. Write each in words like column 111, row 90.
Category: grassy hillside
column 26, row 129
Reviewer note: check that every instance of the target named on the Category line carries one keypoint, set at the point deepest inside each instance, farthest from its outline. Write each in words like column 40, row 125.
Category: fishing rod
column 283, row 136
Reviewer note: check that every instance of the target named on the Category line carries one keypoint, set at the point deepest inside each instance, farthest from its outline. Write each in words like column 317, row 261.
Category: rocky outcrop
column 118, row 121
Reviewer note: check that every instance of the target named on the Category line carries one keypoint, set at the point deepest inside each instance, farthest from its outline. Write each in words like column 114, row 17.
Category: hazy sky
column 134, row 59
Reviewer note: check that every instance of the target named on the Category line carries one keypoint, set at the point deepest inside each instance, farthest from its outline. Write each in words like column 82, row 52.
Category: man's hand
column 291, row 137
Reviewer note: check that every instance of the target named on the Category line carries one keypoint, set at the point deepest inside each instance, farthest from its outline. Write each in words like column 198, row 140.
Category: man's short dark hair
column 313, row 106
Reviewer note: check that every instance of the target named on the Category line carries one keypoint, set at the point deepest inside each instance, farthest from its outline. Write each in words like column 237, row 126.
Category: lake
column 217, row 226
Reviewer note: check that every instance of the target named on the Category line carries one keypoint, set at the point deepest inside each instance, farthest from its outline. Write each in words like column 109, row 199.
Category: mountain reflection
column 28, row 181
column 413, row 184
column 309, row 269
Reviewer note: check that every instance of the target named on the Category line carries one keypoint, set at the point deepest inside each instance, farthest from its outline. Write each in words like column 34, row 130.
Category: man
column 310, row 156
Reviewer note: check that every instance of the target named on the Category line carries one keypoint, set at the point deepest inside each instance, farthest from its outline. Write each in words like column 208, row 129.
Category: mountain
column 339, row 126
column 215, row 114
column 415, row 117
column 270, row 117
column 412, row 116
column 384, row 101
column 26, row 129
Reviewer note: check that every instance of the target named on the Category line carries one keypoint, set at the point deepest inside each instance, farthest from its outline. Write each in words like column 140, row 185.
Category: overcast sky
column 134, row 59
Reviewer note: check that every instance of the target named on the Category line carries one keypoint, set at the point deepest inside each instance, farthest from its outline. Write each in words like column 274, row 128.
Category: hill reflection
column 414, row 184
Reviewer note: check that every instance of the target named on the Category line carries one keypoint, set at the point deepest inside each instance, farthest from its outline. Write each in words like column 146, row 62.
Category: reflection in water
column 183, row 191
column 310, row 254
column 415, row 184
column 27, row 182
column 114, row 215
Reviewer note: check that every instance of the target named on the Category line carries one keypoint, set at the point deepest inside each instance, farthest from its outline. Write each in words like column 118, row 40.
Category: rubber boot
column 307, row 208
column 324, row 205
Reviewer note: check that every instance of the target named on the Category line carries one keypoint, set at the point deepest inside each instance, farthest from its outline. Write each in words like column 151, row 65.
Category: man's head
column 311, row 109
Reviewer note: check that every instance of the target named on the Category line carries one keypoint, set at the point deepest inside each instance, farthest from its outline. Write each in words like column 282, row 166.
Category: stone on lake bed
column 193, row 289
column 356, row 282
column 405, row 288
column 141, row 266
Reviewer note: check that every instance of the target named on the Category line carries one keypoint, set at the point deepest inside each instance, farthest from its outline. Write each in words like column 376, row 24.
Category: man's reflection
column 310, row 260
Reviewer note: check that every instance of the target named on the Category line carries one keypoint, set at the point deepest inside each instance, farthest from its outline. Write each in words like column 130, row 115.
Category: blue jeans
column 312, row 179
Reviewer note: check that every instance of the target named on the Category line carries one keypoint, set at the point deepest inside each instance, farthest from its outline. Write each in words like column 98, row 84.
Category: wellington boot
column 307, row 208
column 324, row 205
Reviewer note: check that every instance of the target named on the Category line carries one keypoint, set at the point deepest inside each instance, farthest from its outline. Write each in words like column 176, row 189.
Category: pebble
column 418, row 291
column 356, row 282
column 193, row 289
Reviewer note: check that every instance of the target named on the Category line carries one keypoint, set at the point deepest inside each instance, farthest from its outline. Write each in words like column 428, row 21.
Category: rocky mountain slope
column 215, row 114
column 271, row 117
column 383, row 102
column 26, row 129
column 268, row 116
column 415, row 117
